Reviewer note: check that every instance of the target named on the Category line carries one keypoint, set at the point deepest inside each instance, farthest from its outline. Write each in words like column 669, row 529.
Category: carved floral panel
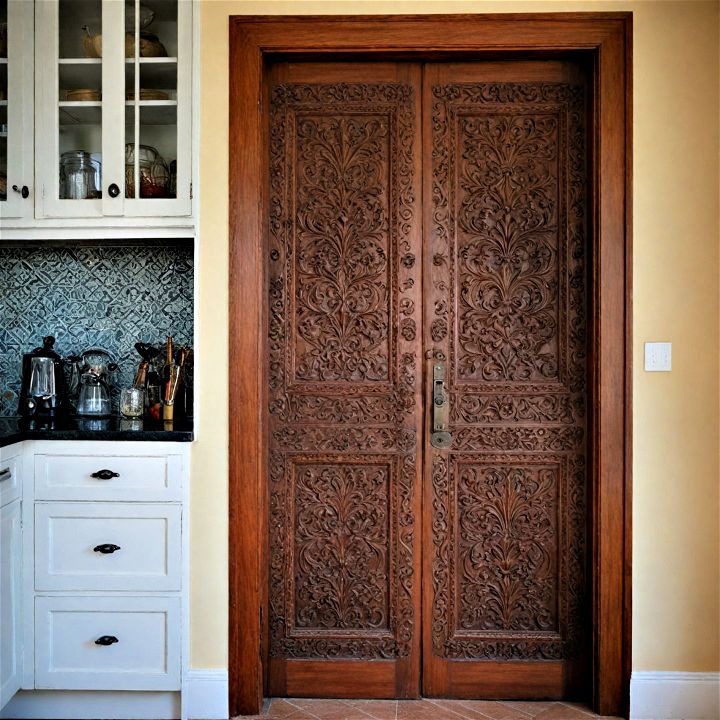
column 507, row 205
column 341, row 538
column 508, row 307
column 342, row 313
column 343, row 367
column 507, row 547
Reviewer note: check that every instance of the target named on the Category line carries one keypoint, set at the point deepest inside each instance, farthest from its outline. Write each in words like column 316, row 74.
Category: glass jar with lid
column 79, row 176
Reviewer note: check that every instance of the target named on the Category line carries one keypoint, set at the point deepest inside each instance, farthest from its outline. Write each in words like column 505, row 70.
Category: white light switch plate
column 658, row 357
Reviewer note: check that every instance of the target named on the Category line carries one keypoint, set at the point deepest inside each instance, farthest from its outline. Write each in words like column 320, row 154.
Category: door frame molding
column 606, row 39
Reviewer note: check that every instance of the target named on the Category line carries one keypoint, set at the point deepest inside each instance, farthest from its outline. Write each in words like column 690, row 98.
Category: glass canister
column 153, row 172
column 78, row 176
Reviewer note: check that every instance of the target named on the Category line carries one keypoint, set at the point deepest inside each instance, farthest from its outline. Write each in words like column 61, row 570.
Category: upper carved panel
column 342, row 313
column 342, row 294
column 509, row 234
column 507, row 247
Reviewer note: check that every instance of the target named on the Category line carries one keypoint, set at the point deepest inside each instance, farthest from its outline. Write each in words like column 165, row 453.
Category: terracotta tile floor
column 305, row 709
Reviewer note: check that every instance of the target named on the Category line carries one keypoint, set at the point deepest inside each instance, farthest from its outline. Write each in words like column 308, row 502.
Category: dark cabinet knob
column 24, row 191
column 106, row 640
column 106, row 549
column 113, row 190
column 105, row 475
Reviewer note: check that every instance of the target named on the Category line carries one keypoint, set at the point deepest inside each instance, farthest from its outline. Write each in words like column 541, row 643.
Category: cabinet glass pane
column 80, row 98
column 151, row 99
column 4, row 99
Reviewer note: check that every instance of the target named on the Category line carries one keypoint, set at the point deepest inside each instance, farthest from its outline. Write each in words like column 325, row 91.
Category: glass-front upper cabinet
column 113, row 108
column 16, row 97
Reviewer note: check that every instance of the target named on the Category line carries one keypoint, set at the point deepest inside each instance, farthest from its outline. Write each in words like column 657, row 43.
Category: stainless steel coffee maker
column 43, row 391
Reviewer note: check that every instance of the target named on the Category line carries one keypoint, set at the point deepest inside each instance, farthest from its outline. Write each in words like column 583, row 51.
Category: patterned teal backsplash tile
column 92, row 295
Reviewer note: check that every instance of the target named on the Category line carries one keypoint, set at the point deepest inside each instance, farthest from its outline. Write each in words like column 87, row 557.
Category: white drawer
column 108, row 477
column 10, row 488
column 145, row 656
column 72, row 553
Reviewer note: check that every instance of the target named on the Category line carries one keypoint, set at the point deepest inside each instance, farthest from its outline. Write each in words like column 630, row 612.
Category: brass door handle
column 439, row 437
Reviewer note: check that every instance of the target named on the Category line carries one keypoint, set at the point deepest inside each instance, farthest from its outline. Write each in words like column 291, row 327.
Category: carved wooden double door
column 427, row 309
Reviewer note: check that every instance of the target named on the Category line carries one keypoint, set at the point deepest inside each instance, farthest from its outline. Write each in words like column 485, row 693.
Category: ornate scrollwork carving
column 507, row 547
column 509, row 284
column 342, row 364
column 341, row 546
column 513, row 409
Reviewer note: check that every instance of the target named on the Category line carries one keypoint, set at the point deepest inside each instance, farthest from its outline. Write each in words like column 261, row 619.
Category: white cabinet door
column 10, row 601
column 107, row 546
column 94, row 112
column 16, row 112
column 107, row 643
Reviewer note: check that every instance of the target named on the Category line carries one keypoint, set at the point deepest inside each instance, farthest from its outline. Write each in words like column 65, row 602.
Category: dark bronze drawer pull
column 106, row 640
column 106, row 549
column 5, row 474
column 105, row 474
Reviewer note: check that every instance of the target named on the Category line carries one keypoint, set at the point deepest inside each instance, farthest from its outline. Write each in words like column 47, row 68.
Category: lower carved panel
column 508, row 548
column 341, row 534
column 506, row 576
column 341, row 547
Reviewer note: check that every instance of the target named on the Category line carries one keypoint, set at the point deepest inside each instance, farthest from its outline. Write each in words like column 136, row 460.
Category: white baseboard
column 88, row 705
column 207, row 695
column 674, row 696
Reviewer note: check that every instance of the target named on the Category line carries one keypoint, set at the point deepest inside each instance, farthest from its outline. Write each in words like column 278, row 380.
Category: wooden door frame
column 606, row 39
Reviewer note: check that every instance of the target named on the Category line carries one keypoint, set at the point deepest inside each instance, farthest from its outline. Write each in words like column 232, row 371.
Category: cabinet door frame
column 48, row 203
column 180, row 205
column 606, row 40
column 19, row 100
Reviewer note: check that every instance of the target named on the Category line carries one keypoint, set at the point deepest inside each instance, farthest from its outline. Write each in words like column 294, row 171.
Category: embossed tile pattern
column 425, row 709
column 91, row 295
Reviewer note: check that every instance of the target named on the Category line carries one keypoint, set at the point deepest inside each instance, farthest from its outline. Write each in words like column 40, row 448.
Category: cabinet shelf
column 87, row 112
column 80, row 61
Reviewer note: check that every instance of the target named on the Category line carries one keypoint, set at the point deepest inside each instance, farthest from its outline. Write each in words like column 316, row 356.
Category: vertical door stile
column 506, row 582
column 345, row 368
column 113, row 106
column 46, row 118
column 19, row 100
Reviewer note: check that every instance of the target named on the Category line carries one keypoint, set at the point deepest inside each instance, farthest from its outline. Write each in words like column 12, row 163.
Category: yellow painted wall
column 676, row 560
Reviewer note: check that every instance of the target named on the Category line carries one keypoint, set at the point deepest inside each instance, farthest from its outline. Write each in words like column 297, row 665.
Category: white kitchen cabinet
column 11, row 572
column 100, row 627
column 110, row 560
column 16, row 109
column 107, row 106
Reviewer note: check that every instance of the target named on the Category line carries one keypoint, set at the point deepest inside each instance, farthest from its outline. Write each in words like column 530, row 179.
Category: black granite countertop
column 17, row 429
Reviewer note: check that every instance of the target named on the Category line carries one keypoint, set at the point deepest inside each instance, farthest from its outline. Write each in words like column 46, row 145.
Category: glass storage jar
column 78, row 176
